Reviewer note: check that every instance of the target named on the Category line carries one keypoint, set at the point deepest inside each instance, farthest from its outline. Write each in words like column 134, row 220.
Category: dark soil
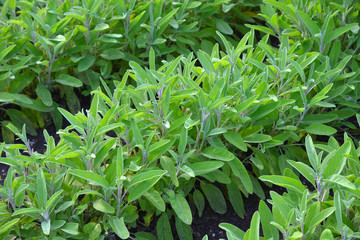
column 37, row 144
column 209, row 222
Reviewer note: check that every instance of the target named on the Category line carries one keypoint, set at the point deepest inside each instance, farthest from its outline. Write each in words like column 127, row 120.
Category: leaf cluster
column 50, row 51
column 167, row 136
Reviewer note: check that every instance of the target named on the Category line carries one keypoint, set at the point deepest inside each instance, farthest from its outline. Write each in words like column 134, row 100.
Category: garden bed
column 180, row 120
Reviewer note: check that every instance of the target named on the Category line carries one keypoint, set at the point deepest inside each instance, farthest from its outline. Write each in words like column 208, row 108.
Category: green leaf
column 20, row 119
column 296, row 235
column 321, row 95
column 41, row 192
column 54, row 199
column 45, row 226
column 181, row 208
column 65, row 206
column 341, row 180
column 95, row 5
column 108, row 128
column 6, row 226
column 320, row 129
column 183, row 230
column 146, row 175
column 152, row 62
column 266, row 217
column 232, row 232
column 169, row 165
column 305, row 170
column 86, row 62
column 253, row 232
column 257, row 138
column 112, row 54
column 20, row 194
column 103, row 206
column 35, row 105
column 336, row 164
column 159, row 148
column 73, row 120
column 142, row 188
column 236, row 140
column 226, row 42
column 257, row 162
column 6, row 97
column 204, row 167
column 68, row 80
column 339, row 31
column 205, row 61
column 311, row 152
column 326, row 235
column 217, row 153
column 101, row 26
column 321, row 217
column 102, row 153
column 27, row 211
column 199, row 201
column 223, row 27
column 119, row 227
column 338, row 214
column 93, row 178
column 44, row 94
column 183, row 141
column 309, row 23
column 163, row 228
column 240, row 171
column 6, row 51
column 236, row 199
column 95, row 232
column 261, row 29
column 21, row 98
column 215, row 197
column 165, row 19
column 299, row 69
column 136, row 133
column 319, row 118
column 155, row 198
column 284, row 181
column 71, row 228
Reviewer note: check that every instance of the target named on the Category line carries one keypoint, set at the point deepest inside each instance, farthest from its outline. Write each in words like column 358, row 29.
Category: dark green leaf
column 68, row 80
column 320, row 129
column 163, row 228
column 221, row 154
column 103, row 206
column 181, row 208
column 236, row 140
column 44, row 94
column 183, row 230
column 86, row 63
column 223, row 27
column 215, row 198
column 93, row 178
column 199, row 201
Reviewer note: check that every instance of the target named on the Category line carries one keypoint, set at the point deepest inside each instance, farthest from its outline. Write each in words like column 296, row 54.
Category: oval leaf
column 221, row 154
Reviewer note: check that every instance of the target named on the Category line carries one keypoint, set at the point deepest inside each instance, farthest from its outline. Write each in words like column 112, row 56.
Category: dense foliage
column 187, row 106
column 52, row 48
